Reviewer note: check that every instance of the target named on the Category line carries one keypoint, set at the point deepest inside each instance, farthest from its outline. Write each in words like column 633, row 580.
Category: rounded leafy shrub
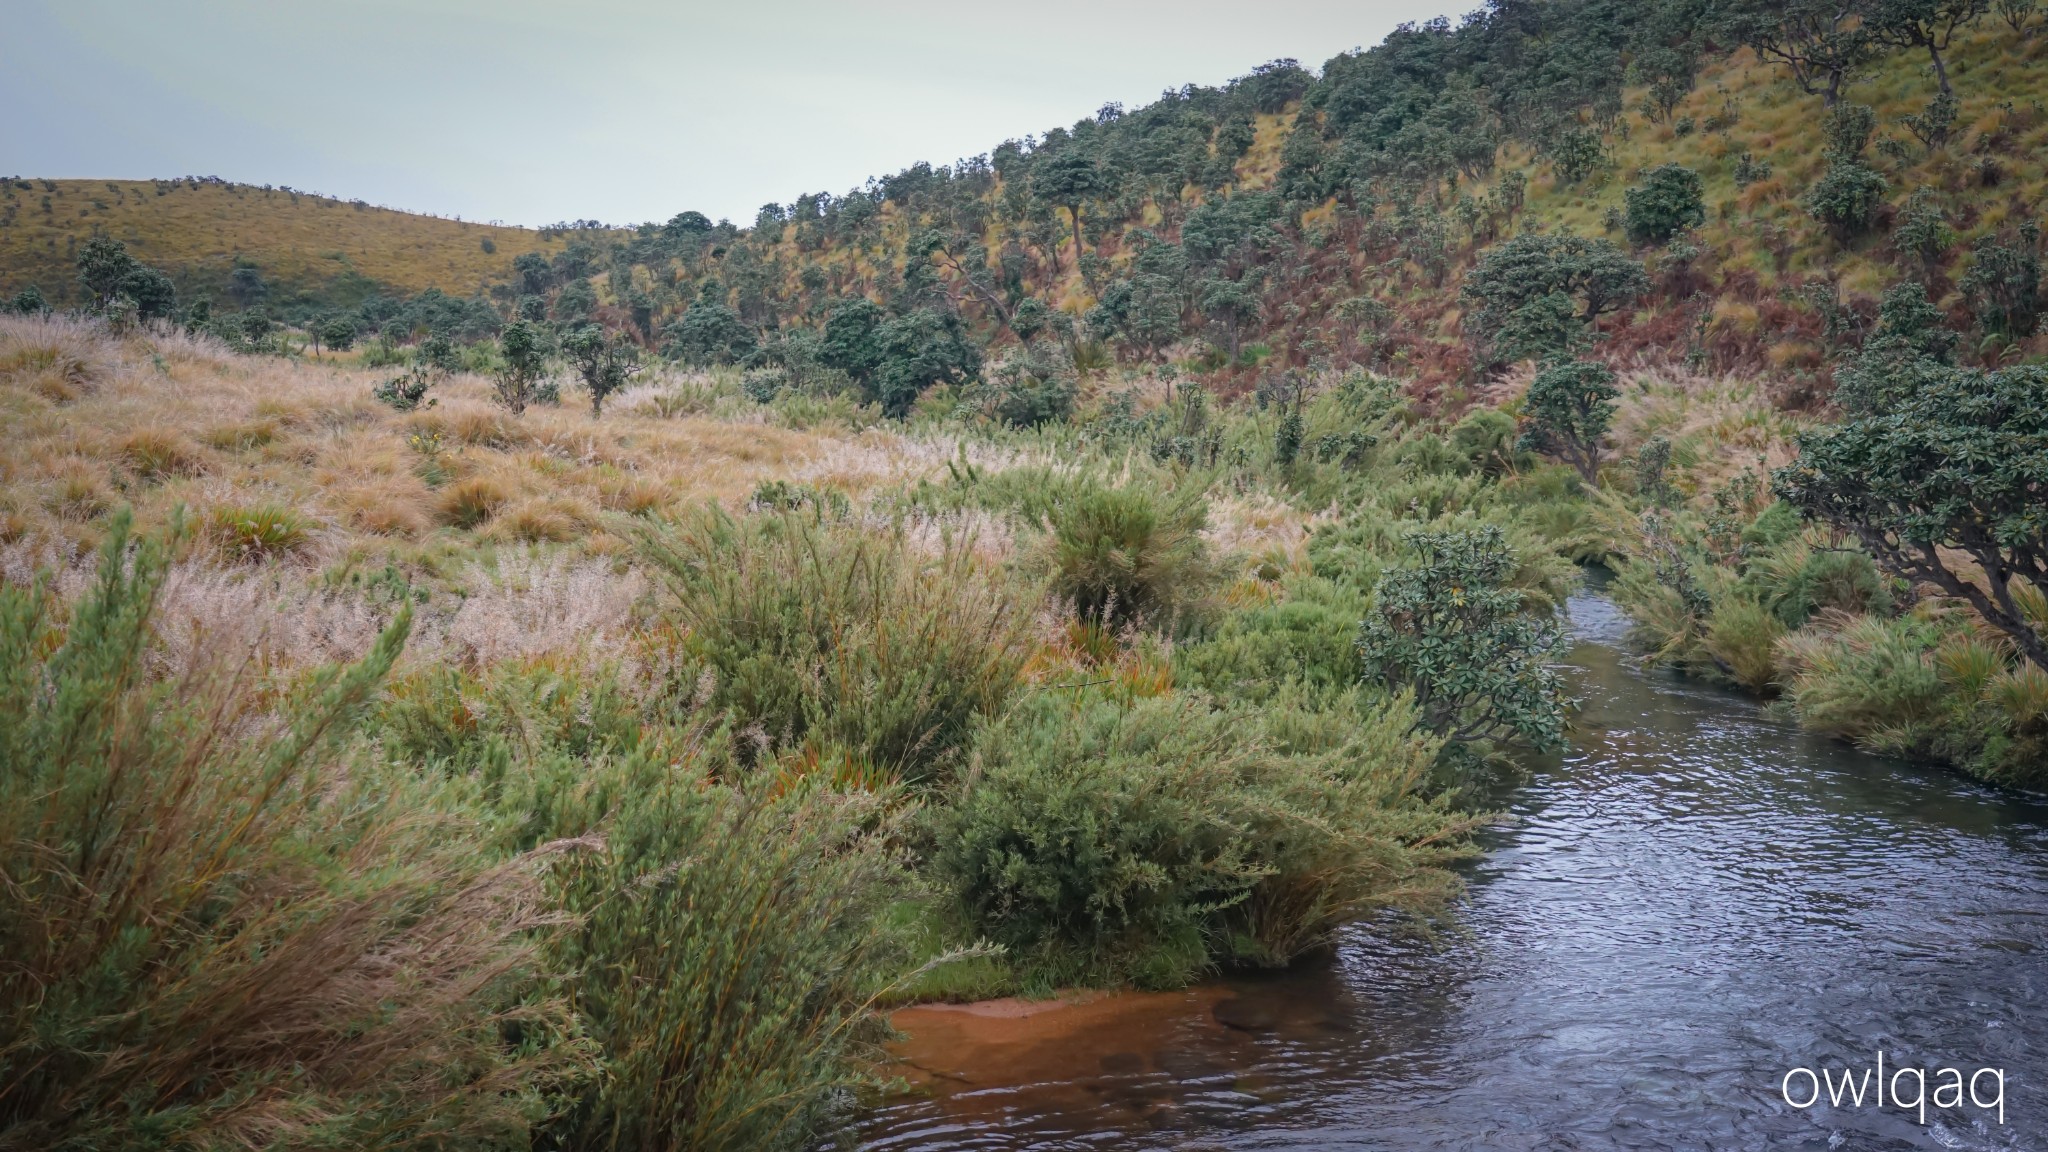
column 1846, row 198
column 1157, row 840
column 1667, row 201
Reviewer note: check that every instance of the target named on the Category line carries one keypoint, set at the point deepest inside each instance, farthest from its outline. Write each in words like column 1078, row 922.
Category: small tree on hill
column 2004, row 284
column 605, row 362
column 338, row 333
column 1957, row 468
column 1667, row 201
column 1569, row 409
column 1446, row 627
column 1535, row 294
column 1847, row 195
column 524, row 351
column 103, row 264
column 1068, row 179
column 29, row 302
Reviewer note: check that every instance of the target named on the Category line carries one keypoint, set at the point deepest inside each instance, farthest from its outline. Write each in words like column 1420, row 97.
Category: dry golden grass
column 297, row 487
column 198, row 231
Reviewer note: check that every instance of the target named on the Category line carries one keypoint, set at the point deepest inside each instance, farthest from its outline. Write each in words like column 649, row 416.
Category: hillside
column 200, row 231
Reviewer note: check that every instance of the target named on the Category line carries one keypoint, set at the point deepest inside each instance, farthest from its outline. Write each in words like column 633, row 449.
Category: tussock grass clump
column 159, row 454
column 59, row 358
column 1158, row 839
column 1129, row 554
column 468, row 503
column 842, row 635
column 218, row 932
column 259, row 531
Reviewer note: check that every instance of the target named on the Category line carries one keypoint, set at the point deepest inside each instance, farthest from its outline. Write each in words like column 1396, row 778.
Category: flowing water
column 1694, row 901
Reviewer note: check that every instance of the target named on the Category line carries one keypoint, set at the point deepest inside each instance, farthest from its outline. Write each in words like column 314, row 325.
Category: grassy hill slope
column 199, row 230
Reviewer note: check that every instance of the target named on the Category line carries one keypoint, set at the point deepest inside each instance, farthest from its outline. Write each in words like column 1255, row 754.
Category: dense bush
column 1447, row 627
column 1667, row 201
column 842, row 637
column 1156, row 840
column 220, row 930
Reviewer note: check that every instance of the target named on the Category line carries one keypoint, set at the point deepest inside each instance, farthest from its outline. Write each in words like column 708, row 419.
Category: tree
column 1541, row 290
column 1928, row 24
column 1445, row 627
column 1848, row 193
column 1229, row 305
column 1958, row 468
column 29, row 302
column 338, row 333
column 1821, row 42
column 710, row 332
column 154, row 295
column 103, row 266
column 1569, row 409
column 604, row 361
column 524, row 351
column 534, row 275
column 1666, row 202
column 1924, row 233
column 1067, row 179
column 2003, row 284
column 895, row 360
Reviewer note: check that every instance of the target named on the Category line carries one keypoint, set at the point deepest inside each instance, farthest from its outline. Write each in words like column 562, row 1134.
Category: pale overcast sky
column 617, row 110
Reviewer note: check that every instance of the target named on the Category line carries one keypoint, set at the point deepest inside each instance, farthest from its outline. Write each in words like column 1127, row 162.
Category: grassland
column 199, row 231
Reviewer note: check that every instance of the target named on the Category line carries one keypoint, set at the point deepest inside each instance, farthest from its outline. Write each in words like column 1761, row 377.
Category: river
column 1693, row 901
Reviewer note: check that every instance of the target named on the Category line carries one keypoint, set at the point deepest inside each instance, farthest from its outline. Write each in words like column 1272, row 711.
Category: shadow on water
column 1691, row 902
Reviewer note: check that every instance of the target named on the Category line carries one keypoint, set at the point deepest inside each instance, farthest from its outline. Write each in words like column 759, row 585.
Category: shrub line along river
column 1695, row 900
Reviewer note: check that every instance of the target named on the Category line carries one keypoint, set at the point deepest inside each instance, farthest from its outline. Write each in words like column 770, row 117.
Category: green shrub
column 729, row 947
column 220, row 930
column 1741, row 637
column 1874, row 681
column 1131, row 554
column 1447, row 626
column 1155, row 841
column 842, row 636
column 1667, row 201
column 1846, row 198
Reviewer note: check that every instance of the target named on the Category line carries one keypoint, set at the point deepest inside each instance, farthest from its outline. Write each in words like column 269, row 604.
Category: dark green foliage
column 2004, row 283
column 605, row 362
column 29, row 302
column 1575, row 154
column 103, row 265
column 1535, row 290
column 1959, row 463
column 1909, row 340
column 1131, row 554
column 338, row 333
column 1158, row 840
column 524, row 352
column 894, row 360
column 1846, row 198
column 1446, row 627
column 842, row 639
column 710, row 332
column 1569, row 408
column 1668, row 200
column 1923, row 232
column 1749, row 170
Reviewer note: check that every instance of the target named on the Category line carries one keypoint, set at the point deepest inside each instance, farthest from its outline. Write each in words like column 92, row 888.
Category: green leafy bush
column 1155, row 841
column 1666, row 202
column 841, row 636
column 1446, row 627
